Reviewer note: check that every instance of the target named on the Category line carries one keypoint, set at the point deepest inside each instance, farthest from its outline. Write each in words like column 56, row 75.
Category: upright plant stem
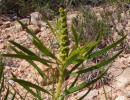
column 64, row 49
column 60, row 81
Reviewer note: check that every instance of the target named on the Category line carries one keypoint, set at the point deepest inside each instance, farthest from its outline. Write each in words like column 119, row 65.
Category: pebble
column 7, row 24
column 25, row 38
column 121, row 98
column 127, row 93
column 34, row 28
column 11, row 82
column 16, row 27
column 119, row 26
column 10, row 97
column 36, row 19
column 127, row 29
column 124, row 79
column 2, row 46
column 25, row 21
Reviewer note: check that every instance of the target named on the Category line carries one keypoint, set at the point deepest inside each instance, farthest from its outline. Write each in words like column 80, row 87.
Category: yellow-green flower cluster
column 64, row 40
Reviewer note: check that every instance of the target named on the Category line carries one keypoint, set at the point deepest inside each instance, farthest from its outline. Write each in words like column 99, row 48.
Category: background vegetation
column 50, row 7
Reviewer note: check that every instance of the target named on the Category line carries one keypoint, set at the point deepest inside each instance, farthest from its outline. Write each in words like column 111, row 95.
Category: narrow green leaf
column 75, row 34
column 81, row 98
column 43, row 49
column 7, row 93
column 1, row 67
column 86, row 49
column 82, row 85
column 28, row 30
column 29, row 84
column 98, row 53
column 24, row 98
column 27, row 51
column 105, row 93
column 36, row 58
column 15, row 50
column 38, row 92
column 14, row 96
column 91, row 48
column 75, row 56
column 57, row 29
column 32, row 92
column 33, row 34
column 102, row 64
column 17, row 92
column 2, row 83
column 43, row 75
column 74, row 82
column 32, row 63
column 75, row 67
column 71, row 60
column 81, row 32
column 45, row 19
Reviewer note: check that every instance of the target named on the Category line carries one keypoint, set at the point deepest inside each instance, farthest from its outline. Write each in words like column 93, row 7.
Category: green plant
column 89, row 24
column 20, row 7
column 74, row 57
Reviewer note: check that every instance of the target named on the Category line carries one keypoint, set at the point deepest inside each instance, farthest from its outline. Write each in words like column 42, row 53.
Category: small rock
column 90, row 95
column 7, row 24
column 121, row 98
column 17, row 27
column 116, row 21
column 36, row 19
column 9, row 97
column 44, row 34
column 119, row 26
column 25, row 38
column 122, row 59
column 123, row 15
column 93, row 93
column 43, row 29
column 115, row 36
column 128, row 23
column 25, row 21
column 99, row 16
column 98, row 10
column 11, row 82
column 127, row 93
column 2, row 46
column 124, row 79
column 71, row 15
column 34, row 28
column 41, row 66
column 127, row 29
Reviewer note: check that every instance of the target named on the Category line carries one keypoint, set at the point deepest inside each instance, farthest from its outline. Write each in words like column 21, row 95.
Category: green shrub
column 74, row 57
column 20, row 7
column 91, row 26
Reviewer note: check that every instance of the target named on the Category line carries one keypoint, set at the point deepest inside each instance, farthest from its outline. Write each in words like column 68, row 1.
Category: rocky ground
column 119, row 87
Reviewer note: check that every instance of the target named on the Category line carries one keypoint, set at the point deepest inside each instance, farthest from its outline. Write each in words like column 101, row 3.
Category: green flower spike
column 64, row 49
